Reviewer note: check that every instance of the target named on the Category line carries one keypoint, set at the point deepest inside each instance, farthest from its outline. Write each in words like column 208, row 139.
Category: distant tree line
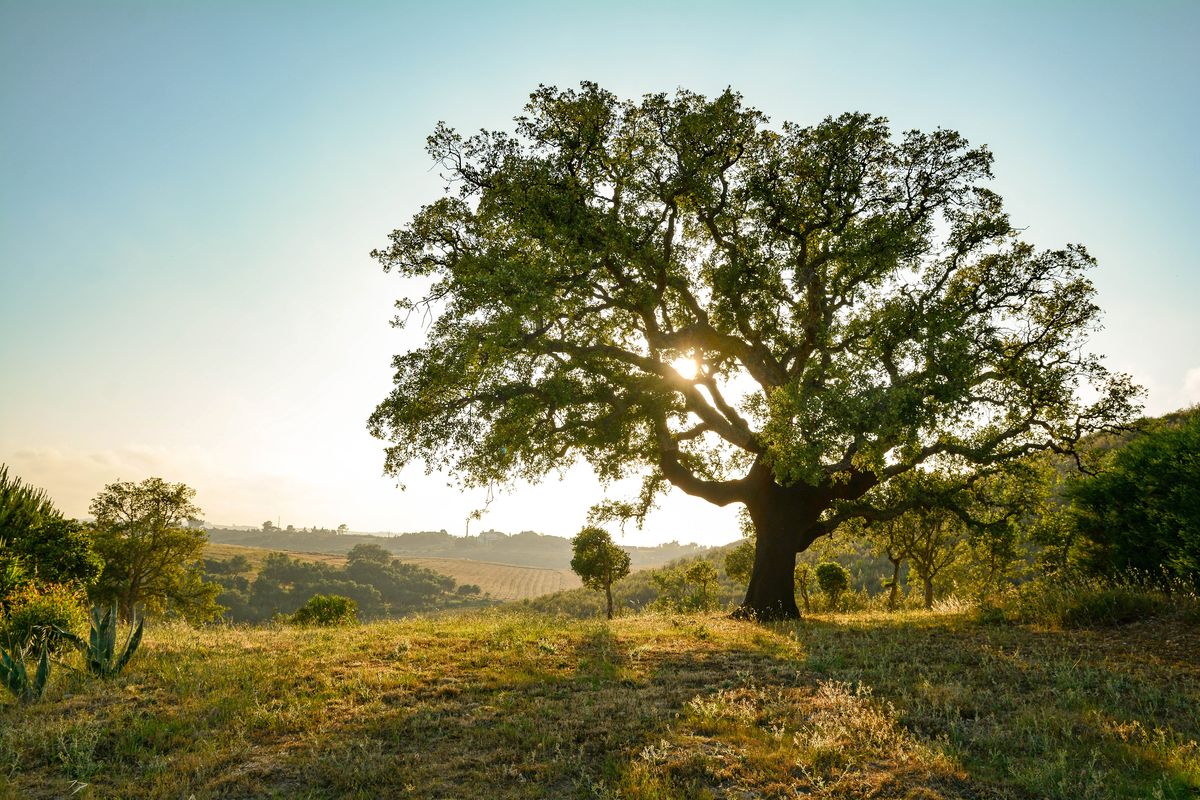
column 380, row 585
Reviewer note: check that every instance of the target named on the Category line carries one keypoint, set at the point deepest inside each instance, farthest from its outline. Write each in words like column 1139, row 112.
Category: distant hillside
column 523, row 549
column 498, row 581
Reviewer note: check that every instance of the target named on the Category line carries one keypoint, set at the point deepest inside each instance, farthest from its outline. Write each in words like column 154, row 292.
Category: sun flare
column 687, row 367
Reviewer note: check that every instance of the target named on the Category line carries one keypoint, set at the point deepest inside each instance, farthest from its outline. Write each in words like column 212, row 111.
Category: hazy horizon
column 190, row 192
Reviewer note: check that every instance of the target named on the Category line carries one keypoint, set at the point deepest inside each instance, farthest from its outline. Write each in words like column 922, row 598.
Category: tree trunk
column 608, row 596
column 785, row 523
column 125, row 605
column 771, row 594
column 895, row 584
column 928, row 593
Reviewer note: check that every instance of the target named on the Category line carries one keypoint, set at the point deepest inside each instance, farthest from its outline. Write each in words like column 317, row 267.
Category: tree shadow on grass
column 1033, row 712
column 535, row 731
column 604, row 716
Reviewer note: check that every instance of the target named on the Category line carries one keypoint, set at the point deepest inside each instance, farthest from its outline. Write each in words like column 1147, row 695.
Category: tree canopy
column 787, row 317
column 598, row 562
column 37, row 542
column 151, row 558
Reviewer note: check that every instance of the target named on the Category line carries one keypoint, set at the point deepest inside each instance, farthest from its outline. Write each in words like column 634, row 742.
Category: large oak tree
column 784, row 317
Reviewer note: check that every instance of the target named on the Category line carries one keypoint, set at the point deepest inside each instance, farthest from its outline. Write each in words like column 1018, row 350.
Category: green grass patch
column 510, row 705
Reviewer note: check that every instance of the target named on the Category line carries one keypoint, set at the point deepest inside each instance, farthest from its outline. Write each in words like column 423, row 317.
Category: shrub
column 50, row 546
column 40, row 614
column 326, row 609
column 989, row 614
column 1143, row 512
column 1077, row 603
column 1109, row 607
column 687, row 588
column 833, row 579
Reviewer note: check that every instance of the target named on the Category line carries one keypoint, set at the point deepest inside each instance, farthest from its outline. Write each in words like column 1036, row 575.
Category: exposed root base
column 748, row 614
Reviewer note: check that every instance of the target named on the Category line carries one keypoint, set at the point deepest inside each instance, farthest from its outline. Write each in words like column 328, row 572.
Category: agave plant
column 15, row 676
column 100, row 651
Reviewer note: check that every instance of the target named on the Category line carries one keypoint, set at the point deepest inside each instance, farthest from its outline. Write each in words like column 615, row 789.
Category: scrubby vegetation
column 379, row 585
column 326, row 609
column 40, row 614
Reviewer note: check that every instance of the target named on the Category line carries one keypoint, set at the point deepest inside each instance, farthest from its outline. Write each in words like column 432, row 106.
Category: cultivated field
column 500, row 581
column 257, row 555
column 509, row 706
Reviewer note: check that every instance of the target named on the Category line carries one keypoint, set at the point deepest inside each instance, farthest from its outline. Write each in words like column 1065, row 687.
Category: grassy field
column 503, row 705
column 501, row 581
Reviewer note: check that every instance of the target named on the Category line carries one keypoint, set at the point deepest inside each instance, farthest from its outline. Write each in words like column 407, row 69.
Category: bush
column 833, row 579
column 1143, row 512
column 1083, row 604
column 327, row 609
column 989, row 614
column 36, row 610
column 687, row 588
column 1101, row 608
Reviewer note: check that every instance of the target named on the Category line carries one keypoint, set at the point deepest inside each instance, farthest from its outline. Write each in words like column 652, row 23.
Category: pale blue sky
column 188, row 193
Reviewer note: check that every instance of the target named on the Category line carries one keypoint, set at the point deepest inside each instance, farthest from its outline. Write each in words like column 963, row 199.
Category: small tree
column 833, row 579
column 702, row 575
column 598, row 562
column 151, row 558
column 369, row 553
column 689, row 587
column 888, row 541
column 803, row 577
column 933, row 539
column 739, row 562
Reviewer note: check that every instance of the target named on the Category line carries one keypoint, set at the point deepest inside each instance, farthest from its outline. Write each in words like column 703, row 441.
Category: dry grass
column 505, row 705
column 500, row 581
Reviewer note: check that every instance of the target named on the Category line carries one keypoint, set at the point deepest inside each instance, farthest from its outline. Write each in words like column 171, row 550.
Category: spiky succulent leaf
column 131, row 644
column 8, row 673
column 42, row 677
column 16, row 677
column 108, row 635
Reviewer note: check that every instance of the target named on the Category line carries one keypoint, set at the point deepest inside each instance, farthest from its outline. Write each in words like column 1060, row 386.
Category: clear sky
column 189, row 190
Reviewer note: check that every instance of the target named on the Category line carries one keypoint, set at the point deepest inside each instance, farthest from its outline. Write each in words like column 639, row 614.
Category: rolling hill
column 526, row 548
column 499, row 581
